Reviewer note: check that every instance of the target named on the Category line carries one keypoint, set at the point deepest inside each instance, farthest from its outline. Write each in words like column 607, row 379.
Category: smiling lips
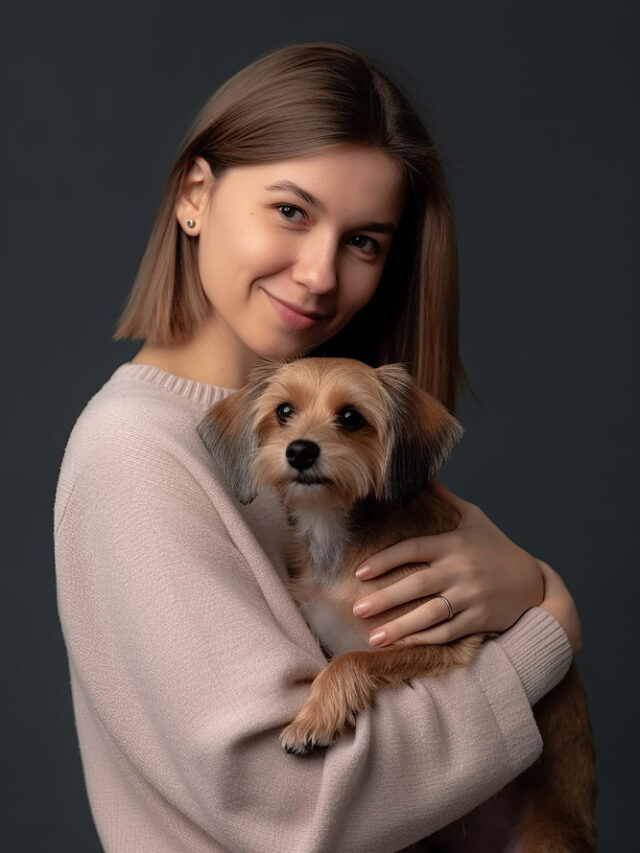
column 295, row 319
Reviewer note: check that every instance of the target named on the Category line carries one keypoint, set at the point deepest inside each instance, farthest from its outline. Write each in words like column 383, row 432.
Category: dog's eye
column 350, row 418
column 283, row 411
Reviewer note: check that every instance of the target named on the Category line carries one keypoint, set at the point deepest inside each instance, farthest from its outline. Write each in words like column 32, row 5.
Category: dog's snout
column 301, row 454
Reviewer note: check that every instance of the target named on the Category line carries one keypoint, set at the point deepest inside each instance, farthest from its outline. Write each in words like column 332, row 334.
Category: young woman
column 307, row 214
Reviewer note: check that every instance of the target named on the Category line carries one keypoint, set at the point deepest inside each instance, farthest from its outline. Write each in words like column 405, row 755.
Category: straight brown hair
column 297, row 101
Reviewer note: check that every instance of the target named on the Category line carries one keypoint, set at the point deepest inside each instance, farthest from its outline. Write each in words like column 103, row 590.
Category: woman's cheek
column 361, row 294
column 265, row 254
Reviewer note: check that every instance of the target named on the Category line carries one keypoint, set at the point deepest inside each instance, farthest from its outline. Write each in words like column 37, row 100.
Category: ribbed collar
column 199, row 392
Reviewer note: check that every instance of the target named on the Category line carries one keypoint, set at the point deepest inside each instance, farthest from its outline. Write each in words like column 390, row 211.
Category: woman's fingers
column 402, row 631
column 416, row 585
column 420, row 549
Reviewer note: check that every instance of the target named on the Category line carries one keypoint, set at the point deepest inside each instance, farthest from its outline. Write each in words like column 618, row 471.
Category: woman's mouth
column 292, row 318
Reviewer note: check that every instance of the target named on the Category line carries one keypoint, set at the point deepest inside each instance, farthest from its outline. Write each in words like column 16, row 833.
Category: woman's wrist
column 559, row 602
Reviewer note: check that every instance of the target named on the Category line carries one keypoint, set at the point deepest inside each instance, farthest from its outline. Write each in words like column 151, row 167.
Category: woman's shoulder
column 134, row 428
column 135, row 444
column 125, row 414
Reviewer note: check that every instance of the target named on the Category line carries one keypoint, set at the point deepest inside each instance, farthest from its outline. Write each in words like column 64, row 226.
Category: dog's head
column 328, row 432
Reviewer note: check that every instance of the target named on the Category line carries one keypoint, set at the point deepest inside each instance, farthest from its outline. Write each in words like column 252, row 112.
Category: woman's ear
column 194, row 196
column 227, row 431
column 421, row 435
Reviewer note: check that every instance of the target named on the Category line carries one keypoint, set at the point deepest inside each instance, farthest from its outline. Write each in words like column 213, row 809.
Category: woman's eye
column 350, row 418
column 374, row 245
column 282, row 207
column 283, row 411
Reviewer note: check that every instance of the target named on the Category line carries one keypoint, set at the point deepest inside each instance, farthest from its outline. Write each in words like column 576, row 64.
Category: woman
column 307, row 214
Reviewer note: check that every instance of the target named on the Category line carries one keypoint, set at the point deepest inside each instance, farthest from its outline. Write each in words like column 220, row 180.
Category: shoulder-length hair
column 297, row 101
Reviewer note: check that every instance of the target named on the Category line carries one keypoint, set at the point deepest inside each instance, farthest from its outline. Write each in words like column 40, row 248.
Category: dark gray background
column 535, row 114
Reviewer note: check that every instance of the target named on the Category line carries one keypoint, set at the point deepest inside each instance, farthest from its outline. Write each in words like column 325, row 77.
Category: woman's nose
column 317, row 264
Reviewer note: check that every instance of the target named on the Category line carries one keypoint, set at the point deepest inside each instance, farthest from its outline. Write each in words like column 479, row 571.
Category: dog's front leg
column 348, row 684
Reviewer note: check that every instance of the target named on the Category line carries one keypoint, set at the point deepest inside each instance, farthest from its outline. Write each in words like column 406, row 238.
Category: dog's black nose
column 302, row 454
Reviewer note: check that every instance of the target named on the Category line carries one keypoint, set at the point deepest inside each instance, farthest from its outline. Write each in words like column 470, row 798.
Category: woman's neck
column 206, row 357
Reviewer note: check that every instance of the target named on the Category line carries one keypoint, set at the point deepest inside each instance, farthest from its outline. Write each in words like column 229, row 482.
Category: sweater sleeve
column 191, row 680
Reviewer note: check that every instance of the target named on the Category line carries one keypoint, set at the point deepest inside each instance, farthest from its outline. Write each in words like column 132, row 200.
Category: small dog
column 350, row 450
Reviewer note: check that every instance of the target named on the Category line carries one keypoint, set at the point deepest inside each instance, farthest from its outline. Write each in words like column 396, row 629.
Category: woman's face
column 269, row 258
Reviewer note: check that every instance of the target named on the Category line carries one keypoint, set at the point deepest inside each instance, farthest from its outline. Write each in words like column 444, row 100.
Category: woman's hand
column 488, row 579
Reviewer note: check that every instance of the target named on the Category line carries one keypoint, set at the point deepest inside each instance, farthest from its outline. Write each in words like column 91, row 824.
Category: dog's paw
column 299, row 738
column 330, row 708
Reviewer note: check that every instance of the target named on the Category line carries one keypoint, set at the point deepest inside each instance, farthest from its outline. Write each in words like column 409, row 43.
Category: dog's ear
column 227, row 430
column 422, row 434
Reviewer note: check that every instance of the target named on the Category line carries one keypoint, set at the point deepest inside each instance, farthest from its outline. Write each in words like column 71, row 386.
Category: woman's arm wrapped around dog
column 188, row 659
column 559, row 602
column 488, row 580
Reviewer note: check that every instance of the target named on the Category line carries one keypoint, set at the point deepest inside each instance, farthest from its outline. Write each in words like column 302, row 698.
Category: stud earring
column 191, row 223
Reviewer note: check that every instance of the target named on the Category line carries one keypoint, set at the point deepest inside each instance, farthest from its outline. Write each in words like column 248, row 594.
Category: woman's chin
column 285, row 350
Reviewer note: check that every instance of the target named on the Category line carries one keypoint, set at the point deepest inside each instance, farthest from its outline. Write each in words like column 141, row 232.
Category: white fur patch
column 326, row 538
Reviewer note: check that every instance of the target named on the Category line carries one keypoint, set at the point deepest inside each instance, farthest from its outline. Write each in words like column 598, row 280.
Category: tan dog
column 350, row 450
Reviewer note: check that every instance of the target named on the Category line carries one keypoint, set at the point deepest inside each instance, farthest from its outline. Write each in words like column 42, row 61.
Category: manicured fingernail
column 377, row 637
column 362, row 608
column 362, row 571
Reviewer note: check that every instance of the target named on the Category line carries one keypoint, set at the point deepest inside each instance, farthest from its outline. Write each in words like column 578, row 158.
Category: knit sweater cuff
column 543, row 664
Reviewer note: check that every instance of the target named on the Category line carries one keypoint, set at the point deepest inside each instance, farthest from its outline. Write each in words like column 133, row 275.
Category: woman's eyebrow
column 380, row 227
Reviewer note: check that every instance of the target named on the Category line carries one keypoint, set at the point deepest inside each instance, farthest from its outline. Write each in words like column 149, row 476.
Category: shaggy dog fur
column 351, row 449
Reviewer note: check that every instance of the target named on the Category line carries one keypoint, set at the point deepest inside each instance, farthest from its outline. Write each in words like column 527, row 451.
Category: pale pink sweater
column 188, row 657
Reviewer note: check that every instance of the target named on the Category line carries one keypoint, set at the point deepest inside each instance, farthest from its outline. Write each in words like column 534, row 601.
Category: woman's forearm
column 559, row 602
